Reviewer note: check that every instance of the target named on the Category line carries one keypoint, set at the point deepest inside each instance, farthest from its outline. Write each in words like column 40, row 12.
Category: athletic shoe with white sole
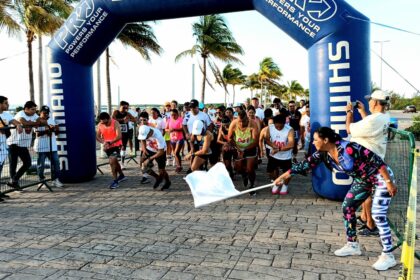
column 275, row 190
column 385, row 261
column 284, row 190
column 350, row 249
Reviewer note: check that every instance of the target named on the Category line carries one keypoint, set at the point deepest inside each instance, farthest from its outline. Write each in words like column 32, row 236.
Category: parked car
column 410, row 109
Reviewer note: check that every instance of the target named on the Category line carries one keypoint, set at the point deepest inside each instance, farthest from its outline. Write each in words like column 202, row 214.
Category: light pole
column 382, row 60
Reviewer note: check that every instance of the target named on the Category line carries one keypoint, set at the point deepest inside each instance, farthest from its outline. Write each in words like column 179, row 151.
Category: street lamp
column 381, row 43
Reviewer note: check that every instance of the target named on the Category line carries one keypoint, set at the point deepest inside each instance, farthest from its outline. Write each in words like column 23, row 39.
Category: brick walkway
column 86, row 231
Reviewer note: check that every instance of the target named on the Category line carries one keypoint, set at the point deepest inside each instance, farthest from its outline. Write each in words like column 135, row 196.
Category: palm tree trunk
column 98, row 81
column 40, row 71
column 29, row 39
column 108, row 82
column 203, row 88
column 233, row 87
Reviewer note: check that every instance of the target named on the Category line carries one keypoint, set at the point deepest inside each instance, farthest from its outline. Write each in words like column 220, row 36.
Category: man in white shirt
column 370, row 132
column 258, row 111
column 195, row 114
column 46, row 135
column 154, row 148
column 6, row 119
column 20, row 142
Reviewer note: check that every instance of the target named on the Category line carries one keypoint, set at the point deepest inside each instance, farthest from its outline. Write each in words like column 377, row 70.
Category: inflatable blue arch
column 339, row 65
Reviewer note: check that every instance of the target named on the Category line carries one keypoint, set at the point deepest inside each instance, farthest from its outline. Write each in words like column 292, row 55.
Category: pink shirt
column 175, row 124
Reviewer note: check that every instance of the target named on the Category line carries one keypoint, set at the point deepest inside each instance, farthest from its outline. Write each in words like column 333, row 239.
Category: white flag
column 212, row 186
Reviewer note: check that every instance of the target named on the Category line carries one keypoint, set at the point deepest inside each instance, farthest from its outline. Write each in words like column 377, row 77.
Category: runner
column 227, row 147
column 201, row 145
column 175, row 130
column 243, row 133
column 154, row 147
column 123, row 117
column 109, row 134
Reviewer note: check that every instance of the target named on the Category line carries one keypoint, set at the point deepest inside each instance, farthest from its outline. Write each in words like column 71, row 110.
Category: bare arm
column 290, row 141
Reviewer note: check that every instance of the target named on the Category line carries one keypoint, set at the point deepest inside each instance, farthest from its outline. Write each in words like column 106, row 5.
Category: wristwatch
column 349, row 111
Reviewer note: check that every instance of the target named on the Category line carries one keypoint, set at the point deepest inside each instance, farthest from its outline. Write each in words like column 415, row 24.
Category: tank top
column 279, row 139
column 109, row 134
column 243, row 139
column 123, row 125
column 198, row 144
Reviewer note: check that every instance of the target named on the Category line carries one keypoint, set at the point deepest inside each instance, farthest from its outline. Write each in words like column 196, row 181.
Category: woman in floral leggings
column 371, row 176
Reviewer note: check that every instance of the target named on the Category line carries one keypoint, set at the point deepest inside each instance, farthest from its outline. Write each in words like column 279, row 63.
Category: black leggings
column 16, row 152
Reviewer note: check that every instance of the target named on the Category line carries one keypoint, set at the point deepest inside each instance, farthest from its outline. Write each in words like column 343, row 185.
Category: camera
column 355, row 104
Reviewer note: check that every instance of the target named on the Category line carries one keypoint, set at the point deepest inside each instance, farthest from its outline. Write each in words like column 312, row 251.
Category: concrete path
column 87, row 231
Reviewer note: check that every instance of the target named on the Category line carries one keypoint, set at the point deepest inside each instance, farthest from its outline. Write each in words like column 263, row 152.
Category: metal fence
column 400, row 157
column 25, row 159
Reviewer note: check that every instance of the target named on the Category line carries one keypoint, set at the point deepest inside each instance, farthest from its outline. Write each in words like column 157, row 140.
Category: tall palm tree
column 139, row 36
column 39, row 18
column 213, row 39
column 269, row 72
column 294, row 89
column 233, row 76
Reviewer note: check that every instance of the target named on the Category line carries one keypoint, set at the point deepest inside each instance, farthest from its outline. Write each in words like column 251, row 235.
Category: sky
column 141, row 82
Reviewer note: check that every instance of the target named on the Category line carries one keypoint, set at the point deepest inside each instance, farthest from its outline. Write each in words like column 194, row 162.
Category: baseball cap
column 193, row 103
column 198, row 127
column 378, row 95
column 237, row 104
column 143, row 132
column 201, row 105
column 45, row 109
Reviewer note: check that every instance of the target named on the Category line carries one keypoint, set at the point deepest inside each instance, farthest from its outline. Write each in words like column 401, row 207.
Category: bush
column 415, row 128
column 401, row 103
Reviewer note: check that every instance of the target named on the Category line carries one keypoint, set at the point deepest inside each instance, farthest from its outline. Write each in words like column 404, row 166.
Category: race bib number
column 124, row 128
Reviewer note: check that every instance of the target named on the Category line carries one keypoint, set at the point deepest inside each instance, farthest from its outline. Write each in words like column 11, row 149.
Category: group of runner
column 195, row 137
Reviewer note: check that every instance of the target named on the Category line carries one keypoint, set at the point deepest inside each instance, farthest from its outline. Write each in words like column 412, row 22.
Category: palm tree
column 233, row 76
column 139, row 36
column 213, row 39
column 294, row 89
column 7, row 22
column 251, row 83
column 269, row 72
column 39, row 18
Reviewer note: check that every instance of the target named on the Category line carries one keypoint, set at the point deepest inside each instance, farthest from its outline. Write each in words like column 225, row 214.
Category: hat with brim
column 143, row 132
column 198, row 127
column 378, row 95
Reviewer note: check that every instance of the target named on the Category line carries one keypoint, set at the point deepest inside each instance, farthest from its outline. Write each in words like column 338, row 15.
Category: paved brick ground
column 86, row 231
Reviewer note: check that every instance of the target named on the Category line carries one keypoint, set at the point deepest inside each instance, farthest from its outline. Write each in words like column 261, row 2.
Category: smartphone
column 355, row 104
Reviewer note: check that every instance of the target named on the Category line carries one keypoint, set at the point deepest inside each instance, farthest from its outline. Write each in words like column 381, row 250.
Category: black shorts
column 228, row 155
column 215, row 153
column 249, row 153
column 274, row 163
column 113, row 151
column 161, row 161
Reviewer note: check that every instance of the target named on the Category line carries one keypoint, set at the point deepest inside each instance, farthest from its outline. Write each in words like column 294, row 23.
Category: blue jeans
column 55, row 165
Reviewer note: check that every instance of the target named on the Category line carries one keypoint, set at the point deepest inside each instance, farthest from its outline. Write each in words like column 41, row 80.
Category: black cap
column 193, row 103
column 45, row 109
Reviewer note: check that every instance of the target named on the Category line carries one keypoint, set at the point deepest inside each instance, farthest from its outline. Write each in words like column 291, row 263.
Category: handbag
column 6, row 128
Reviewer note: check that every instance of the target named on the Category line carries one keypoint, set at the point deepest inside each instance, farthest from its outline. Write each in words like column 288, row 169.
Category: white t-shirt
column 371, row 132
column 280, row 138
column 156, row 141
column 305, row 121
column 158, row 123
column 42, row 143
column 134, row 114
column 23, row 139
column 188, row 121
column 259, row 113
column 7, row 118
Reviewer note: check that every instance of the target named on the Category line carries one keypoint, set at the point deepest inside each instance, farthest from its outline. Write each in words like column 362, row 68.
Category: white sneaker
column 385, row 261
column 350, row 249
column 174, row 162
column 283, row 190
column 275, row 190
column 57, row 183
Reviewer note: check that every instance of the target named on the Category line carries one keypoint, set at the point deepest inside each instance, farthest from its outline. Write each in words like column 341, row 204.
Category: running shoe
column 350, row 249
column 166, row 186
column 121, row 178
column 368, row 232
column 157, row 183
column 385, row 261
column 145, row 180
column 114, row 185
column 275, row 190
column 284, row 190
